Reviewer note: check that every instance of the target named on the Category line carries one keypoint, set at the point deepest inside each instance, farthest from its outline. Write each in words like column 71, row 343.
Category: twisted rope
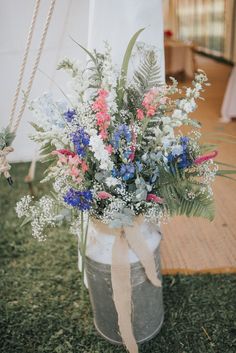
column 36, row 63
column 24, row 61
column 4, row 165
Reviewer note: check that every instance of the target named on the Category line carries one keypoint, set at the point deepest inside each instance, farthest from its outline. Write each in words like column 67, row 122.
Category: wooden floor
column 196, row 245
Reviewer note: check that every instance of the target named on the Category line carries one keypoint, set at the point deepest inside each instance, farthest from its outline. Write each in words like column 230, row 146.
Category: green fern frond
column 174, row 189
column 148, row 74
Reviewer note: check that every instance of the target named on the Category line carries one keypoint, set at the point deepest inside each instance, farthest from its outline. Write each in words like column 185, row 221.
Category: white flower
column 111, row 181
column 22, row 207
column 100, row 153
column 178, row 114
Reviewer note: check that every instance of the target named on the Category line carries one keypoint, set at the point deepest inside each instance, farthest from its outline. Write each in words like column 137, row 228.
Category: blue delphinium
column 126, row 172
column 80, row 140
column 69, row 115
column 121, row 132
column 79, row 199
column 183, row 160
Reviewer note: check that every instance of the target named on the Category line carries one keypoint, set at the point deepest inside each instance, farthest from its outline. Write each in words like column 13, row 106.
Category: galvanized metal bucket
column 147, row 302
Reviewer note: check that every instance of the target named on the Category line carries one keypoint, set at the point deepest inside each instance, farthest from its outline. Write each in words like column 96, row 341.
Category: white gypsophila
column 84, row 117
column 100, row 153
column 42, row 215
column 60, row 184
column 22, row 206
column 155, row 213
column 114, row 207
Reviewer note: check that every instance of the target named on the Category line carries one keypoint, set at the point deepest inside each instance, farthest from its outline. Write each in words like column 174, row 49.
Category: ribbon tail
column 122, row 292
column 138, row 244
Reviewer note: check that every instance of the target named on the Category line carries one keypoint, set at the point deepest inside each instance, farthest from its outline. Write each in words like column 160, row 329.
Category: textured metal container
column 147, row 303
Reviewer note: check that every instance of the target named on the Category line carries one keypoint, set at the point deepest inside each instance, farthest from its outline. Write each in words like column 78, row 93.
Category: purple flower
column 69, row 115
column 81, row 140
column 79, row 199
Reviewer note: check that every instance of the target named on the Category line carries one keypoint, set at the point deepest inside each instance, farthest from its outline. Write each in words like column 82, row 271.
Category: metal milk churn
column 147, row 301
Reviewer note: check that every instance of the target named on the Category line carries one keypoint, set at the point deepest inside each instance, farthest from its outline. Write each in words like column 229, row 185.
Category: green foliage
column 68, row 65
column 147, row 75
column 125, row 65
column 174, row 190
column 6, row 137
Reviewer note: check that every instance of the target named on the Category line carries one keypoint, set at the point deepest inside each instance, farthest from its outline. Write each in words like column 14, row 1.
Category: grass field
column 41, row 310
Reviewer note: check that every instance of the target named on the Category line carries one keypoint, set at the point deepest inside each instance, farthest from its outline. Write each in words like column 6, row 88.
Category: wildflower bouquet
column 116, row 149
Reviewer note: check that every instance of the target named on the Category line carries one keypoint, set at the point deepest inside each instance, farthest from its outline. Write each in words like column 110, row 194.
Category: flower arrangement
column 115, row 147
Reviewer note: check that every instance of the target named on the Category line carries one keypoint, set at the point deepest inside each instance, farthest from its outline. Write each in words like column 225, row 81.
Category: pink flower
column 64, row 152
column 101, row 108
column 103, row 93
column 74, row 171
column 151, row 110
column 103, row 195
column 109, row 149
column 205, row 157
column 84, row 166
column 154, row 198
column 140, row 114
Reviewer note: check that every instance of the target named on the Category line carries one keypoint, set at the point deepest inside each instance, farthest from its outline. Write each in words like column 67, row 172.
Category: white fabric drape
column 116, row 21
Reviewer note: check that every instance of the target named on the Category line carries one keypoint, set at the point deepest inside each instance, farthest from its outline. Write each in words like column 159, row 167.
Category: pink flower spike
column 154, row 198
column 64, row 152
column 206, row 157
column 103, row 195
column 140, row 114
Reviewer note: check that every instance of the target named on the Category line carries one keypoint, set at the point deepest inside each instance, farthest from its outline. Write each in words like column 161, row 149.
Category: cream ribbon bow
column 127, row 237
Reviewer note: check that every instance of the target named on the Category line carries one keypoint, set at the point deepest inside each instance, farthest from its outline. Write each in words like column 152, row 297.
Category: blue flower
column 121, row 131
column 79, row 199
column 81, row 140
column 127, row 171
column 139, row 166
column 69, row 115
column 183, row 160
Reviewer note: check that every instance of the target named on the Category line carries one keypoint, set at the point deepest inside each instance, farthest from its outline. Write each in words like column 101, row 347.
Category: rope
column 36, row 63
column 24, row 61
column 4, row 165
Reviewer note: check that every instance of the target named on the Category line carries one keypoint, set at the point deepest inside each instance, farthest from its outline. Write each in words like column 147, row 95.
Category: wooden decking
column 196, row 245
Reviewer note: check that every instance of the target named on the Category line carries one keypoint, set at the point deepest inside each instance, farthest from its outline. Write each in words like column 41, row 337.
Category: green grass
column 40, row 305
